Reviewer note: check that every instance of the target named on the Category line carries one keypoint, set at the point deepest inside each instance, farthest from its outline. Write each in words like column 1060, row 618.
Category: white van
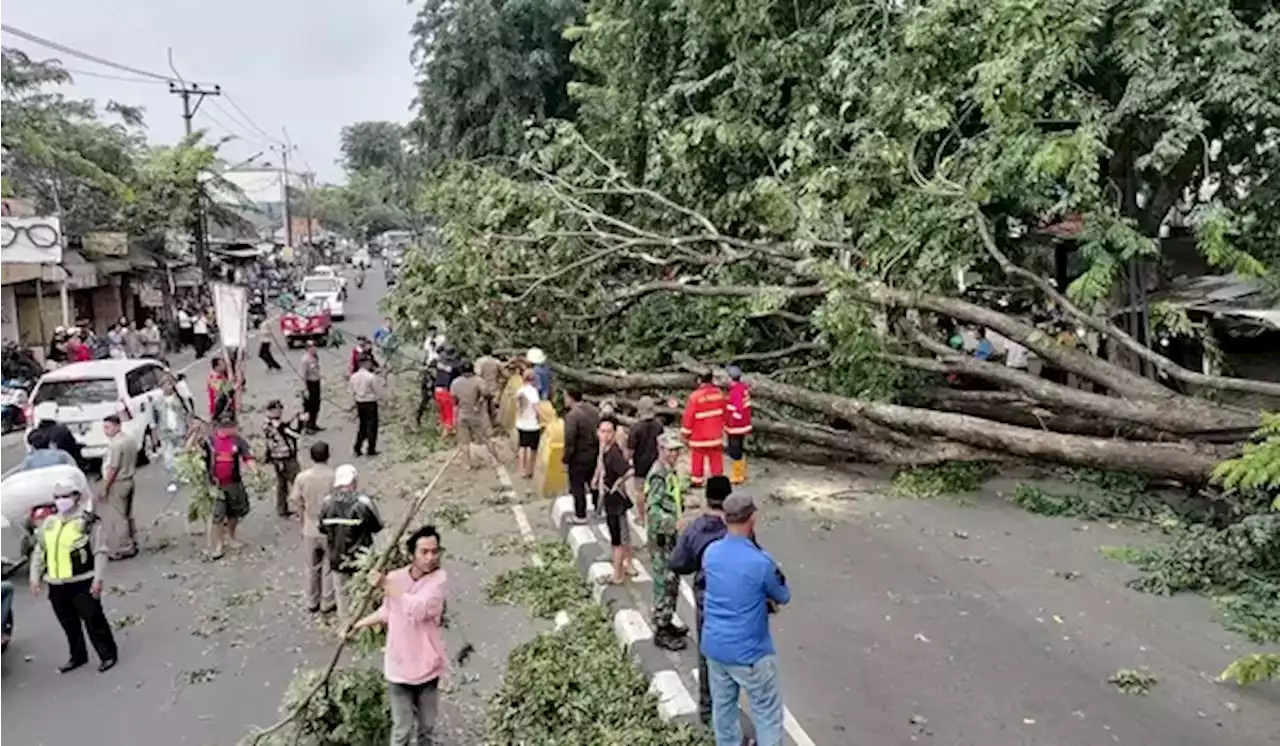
column 327, row 291
column 86, row 393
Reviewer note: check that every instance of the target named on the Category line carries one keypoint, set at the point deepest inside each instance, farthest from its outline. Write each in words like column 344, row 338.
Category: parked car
column 26, row 499
column 327, row 291
column 360, row 259
column 310, row 320
column 86, row 393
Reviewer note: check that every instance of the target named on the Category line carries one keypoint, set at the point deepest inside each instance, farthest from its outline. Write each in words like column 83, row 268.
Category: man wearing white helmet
column 70, row 558
column 349, row 520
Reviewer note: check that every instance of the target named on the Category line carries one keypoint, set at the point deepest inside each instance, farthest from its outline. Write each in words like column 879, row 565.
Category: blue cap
column 734, row 371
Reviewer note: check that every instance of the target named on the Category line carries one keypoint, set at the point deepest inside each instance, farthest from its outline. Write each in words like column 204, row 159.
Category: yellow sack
column 549, row 477
column 507, row 404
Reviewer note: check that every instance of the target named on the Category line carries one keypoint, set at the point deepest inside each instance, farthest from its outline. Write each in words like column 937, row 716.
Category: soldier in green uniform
column 663, row 507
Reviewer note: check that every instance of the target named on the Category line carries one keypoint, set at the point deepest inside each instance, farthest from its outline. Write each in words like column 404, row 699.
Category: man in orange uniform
column 703, row 427
column 737, row 424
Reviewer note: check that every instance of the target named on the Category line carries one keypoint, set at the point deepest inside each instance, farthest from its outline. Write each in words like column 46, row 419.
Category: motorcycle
column 13, row 402
column 360, row 278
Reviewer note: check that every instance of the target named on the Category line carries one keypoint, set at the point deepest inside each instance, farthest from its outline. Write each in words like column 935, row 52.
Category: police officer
column 71, row 558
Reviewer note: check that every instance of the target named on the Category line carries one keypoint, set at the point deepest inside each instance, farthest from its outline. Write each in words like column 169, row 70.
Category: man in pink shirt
column 412, row 609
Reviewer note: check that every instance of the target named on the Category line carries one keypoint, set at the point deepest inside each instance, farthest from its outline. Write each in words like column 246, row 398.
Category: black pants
column 202, row 343
column 74, row 606
column 312, row 405
column 424, row 403
column 264, row 354
column 286, row 472
column 579, row 475
column 704, row 682
column 734, row 448
column 367, row 430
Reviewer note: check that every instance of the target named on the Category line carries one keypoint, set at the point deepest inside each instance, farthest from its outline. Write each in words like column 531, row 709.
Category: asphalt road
column 207, row 648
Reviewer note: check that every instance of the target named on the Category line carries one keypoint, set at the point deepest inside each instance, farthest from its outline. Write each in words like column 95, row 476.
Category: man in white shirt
column 185, row 338
column 1015, row 355
column 366, row 389
column 527, row 425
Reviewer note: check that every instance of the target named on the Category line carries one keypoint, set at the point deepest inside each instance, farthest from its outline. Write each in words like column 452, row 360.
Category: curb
column 589, row 546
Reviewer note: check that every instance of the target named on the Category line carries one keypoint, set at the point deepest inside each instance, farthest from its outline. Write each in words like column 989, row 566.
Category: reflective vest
column 703, row 421
column 738, row 419
column 68, row 552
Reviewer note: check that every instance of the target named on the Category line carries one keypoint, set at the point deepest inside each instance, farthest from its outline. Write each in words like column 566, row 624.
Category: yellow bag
column 549, row 477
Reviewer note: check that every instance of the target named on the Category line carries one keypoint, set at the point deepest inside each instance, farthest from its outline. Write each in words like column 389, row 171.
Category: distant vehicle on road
column 309, row 321
column 86, row 393
column 361, row 259
column 327, row 290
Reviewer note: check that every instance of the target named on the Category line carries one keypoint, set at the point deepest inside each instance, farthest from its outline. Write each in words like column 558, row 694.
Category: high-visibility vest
column 68, row 554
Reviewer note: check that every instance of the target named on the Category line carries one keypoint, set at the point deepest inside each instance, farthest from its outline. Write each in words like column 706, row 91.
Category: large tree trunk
column 1185, row 462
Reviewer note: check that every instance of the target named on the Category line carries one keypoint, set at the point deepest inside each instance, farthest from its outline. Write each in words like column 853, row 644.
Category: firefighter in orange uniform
column 737, row 424
column 703, row 426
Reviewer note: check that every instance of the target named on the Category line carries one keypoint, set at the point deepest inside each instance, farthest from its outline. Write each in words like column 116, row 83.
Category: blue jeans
column 760, row 680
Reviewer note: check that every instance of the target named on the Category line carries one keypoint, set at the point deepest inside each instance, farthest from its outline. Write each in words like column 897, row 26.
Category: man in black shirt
column 57, row 433
column 349, row 520
column 642, row 446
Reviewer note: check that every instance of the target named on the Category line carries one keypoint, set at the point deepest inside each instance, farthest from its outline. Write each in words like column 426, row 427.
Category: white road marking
column 526, row 531
column 789, row 722
column 674, row 699
column 504, row 478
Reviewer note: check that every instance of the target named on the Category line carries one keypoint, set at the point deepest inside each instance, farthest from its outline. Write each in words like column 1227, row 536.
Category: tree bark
column 1014, row 408
column 1181, row 461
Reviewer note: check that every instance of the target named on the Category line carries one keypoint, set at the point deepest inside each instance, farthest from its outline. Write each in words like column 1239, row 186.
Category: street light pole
column 188, row 91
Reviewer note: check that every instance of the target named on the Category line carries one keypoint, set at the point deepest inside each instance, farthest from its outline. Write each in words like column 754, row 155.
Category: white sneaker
column 171, row 488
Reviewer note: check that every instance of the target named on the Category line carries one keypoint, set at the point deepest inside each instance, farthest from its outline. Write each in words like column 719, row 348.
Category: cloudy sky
column 309, row 65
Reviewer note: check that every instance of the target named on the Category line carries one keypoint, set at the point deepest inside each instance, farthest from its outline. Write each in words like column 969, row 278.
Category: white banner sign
column 231, row 307
column 31, row 240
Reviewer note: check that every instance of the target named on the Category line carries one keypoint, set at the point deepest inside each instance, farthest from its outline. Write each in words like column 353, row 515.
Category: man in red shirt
column 77, row 350
column 225, row 452
column 703, row 426
column 737, row 424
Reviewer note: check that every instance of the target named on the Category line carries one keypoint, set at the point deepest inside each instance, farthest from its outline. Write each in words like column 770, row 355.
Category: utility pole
column 284, row 150
column 187, row 92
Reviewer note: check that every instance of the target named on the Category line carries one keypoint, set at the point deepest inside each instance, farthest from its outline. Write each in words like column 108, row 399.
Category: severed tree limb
column 1014, row 408
column 1113, row 332
column 1149, row 414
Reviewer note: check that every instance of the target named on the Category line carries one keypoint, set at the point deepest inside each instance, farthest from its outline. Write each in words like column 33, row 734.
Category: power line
column 249, row 119
column 107, row 76
column 82, row 55
column 243, row 131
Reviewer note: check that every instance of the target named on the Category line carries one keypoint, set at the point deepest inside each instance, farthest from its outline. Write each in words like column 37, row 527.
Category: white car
column 324, row 270
column 83, row 394
column 361, row 259
column 327, row 291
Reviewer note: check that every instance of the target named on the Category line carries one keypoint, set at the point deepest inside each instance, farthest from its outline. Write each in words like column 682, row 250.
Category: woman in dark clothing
column 610, row 486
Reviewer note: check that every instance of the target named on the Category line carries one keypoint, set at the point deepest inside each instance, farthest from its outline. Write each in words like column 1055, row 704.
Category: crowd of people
column 126, row 339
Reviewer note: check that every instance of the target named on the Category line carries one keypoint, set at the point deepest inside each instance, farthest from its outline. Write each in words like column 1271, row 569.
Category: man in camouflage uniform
column 663, row 507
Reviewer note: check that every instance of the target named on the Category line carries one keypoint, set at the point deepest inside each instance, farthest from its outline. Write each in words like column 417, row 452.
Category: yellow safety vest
column 67, row 551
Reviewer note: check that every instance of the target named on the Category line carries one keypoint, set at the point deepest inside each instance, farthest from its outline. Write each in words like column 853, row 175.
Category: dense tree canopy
column 821, row 189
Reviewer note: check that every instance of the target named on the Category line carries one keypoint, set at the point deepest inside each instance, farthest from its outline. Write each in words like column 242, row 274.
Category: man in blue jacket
column 686, row 559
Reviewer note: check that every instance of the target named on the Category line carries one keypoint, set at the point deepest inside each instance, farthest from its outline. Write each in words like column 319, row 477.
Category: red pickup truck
column 309, row 321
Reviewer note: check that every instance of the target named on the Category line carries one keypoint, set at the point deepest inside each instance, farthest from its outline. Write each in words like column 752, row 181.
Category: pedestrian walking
column 413, row 608
column 581, row 449
column 349, row 519
column 311, row 377
column 264, row 346
column 664, row 504
column 489, row 370
column 309, row 490
column 171, row 418
column 642, row 449
column 226, row 454
column 186, row 334
column 468, row 393
column 152, row 341
column 282, row 452
column 118, row 487
column 366, row 389
column 70, row 559
column 703, row 426
column 611, row 484
column 743, row 586
column 200, row 338
column 737, row 425
column 528, row 428
column 686, row 559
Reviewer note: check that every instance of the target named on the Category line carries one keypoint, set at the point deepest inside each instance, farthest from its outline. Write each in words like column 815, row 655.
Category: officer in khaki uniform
column 118, row 487
column 70, row 558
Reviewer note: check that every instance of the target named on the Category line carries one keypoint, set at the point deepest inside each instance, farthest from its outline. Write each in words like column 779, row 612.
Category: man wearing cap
column 703, row 426
column 70, row 558
column 737, row 424
column 663, row 506
column 307, row 497
column 282, row 452
column 349, row 520
column 743, row 584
